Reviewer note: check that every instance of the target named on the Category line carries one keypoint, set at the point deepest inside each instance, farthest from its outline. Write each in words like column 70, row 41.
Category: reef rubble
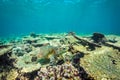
column 65, row 56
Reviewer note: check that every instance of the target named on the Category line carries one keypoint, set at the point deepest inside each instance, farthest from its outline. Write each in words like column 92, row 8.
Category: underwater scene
column 59, row 39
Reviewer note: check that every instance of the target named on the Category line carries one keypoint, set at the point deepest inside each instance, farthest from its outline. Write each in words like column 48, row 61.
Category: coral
column 25, row 63
column 65, row 71
column 52, row 37
column 18, row 51
column 30, row 40
column 60, row 57
column 103, row 64
column 27, row 48
column 12, row 75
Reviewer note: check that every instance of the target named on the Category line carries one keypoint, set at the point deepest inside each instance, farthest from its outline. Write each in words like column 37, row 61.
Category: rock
column 39, row 44
column 4, row 46
column 30, row 41
column 91, row 45
column 33, row 35
column 113, row 40
column 51, row 37
column 27, row 75
column 112, row 45
column 1, row 43
column 99, row 38
column 6, row 62
column 5, row 50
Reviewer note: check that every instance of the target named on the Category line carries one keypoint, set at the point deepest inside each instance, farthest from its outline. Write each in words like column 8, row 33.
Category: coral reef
column 65, row 56
column 60, row 72
column 18, row 51
column 103, row 64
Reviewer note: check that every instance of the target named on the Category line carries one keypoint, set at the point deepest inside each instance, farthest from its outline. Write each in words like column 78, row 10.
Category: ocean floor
column 65, row 56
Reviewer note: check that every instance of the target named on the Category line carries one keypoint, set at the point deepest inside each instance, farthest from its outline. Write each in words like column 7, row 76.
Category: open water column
column 54, row 16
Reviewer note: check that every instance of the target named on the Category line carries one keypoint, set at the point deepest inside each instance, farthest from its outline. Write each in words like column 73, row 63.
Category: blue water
column 55, row 16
